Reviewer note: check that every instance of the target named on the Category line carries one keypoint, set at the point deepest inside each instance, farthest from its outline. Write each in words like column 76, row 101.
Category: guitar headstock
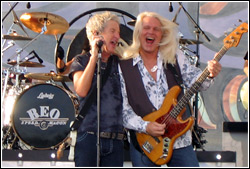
column 233, row 39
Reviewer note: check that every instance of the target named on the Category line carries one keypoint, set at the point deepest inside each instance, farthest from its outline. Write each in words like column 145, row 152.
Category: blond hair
column 98, row 22
column 169, row 42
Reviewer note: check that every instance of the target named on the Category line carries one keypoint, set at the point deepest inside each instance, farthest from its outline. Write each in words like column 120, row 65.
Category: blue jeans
column 111, row 151
column 183, row 157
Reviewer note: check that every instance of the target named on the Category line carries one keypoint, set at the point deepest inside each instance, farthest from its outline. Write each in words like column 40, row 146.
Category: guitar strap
column 176, row 75
column 91, row 96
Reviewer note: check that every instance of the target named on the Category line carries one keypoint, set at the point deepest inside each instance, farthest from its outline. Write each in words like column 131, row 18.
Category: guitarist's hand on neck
column 214, row 67
column 155, row 129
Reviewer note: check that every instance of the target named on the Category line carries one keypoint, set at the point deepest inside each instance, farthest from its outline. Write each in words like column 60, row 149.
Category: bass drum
column 42, row 115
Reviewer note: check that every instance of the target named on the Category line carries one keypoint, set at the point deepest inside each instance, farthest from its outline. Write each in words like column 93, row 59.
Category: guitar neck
column 195, row 87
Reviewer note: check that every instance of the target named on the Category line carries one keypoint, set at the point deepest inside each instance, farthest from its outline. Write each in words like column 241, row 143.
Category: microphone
column 28, row 5
column 99, row 44
column 170, row 7
column 36, row 55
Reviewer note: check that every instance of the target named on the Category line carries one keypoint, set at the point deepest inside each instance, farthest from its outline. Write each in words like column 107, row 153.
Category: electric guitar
column 159, row 149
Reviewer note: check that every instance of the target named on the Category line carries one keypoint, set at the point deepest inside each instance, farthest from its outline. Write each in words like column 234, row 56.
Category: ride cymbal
column 35, row 21
column 48, row 76
column 189, row 42
column 26, row 64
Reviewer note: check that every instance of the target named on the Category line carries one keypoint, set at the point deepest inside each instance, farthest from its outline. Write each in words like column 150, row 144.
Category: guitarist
column 146, row 78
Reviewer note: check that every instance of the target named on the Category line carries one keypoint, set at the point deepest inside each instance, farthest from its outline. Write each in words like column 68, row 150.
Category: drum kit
column 38, row 116
column 35, row 116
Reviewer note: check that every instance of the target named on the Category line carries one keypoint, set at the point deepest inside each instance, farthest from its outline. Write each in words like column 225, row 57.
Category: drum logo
column 47, row 118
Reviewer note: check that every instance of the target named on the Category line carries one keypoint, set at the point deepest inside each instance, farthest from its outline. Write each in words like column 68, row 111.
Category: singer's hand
column 93, row 43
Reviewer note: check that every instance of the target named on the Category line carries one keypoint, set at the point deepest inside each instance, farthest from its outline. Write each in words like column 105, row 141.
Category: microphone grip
column 99, row 43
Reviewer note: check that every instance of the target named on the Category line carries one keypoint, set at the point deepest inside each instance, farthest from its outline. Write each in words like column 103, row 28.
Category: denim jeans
column 111, row 151
column 183, row 157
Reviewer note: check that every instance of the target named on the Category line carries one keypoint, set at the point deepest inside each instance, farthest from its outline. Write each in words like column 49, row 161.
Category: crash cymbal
column 48, row 76
column 26, row 64
column 189, row 42
column 132, row 22
column 35, row 21
column 16, row 37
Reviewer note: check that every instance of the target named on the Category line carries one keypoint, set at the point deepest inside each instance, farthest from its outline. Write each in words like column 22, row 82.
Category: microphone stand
column 192, row 20
column 198, row 31
column 9, row 11
column 98, row 101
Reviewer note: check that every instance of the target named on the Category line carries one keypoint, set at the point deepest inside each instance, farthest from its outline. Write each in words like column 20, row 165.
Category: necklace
column 154, row 68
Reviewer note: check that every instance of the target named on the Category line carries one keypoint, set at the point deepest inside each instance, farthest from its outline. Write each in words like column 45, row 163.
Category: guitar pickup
column 147, row 146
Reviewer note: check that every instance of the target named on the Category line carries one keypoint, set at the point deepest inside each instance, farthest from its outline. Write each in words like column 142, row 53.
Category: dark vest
column 137, row 96
column 111, row 99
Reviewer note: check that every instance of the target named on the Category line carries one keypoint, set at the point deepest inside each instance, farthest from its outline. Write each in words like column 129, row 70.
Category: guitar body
column 159, row 149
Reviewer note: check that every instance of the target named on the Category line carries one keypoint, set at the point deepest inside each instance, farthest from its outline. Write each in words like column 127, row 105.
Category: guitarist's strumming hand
column 155, row 129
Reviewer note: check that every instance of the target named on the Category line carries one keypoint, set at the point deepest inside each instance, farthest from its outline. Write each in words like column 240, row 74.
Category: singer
column 103, row 32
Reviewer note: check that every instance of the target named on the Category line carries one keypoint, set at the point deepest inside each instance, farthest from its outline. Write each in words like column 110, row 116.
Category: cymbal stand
column 11, row 44
column 18, row 53
column 9, row 31
column 44, row 29
column 5, row 85
column 15, row 21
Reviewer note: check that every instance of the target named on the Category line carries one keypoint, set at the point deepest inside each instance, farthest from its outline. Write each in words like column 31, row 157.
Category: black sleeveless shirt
column 111, row 98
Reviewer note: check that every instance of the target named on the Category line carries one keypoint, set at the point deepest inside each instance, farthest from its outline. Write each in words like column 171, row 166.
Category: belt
column 118, row 136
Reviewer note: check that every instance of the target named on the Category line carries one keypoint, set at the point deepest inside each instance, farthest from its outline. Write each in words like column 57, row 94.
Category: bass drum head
column 42, row 115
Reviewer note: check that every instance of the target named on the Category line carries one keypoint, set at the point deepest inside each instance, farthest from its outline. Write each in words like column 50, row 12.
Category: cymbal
column 35, row 22
column 17, row 37
column 132, row 22
column 189, row 42
column 26, row 64
column 48, row 76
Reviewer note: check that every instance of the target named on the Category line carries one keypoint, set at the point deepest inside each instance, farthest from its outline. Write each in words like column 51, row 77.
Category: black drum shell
column 42, row 115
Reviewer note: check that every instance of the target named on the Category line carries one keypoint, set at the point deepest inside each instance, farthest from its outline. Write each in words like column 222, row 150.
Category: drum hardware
column 10, row 44
column 52, row 76
column 26, row 64
column 42, row 23
column 16, row 37
column 175, row 17
column 15, row 21
column 9, row 140
column 36, row 21
column 189, row 42
column 192, row 58
column 131, row 23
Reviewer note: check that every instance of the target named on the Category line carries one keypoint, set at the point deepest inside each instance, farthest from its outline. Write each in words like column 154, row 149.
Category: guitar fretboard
column 195, row 87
